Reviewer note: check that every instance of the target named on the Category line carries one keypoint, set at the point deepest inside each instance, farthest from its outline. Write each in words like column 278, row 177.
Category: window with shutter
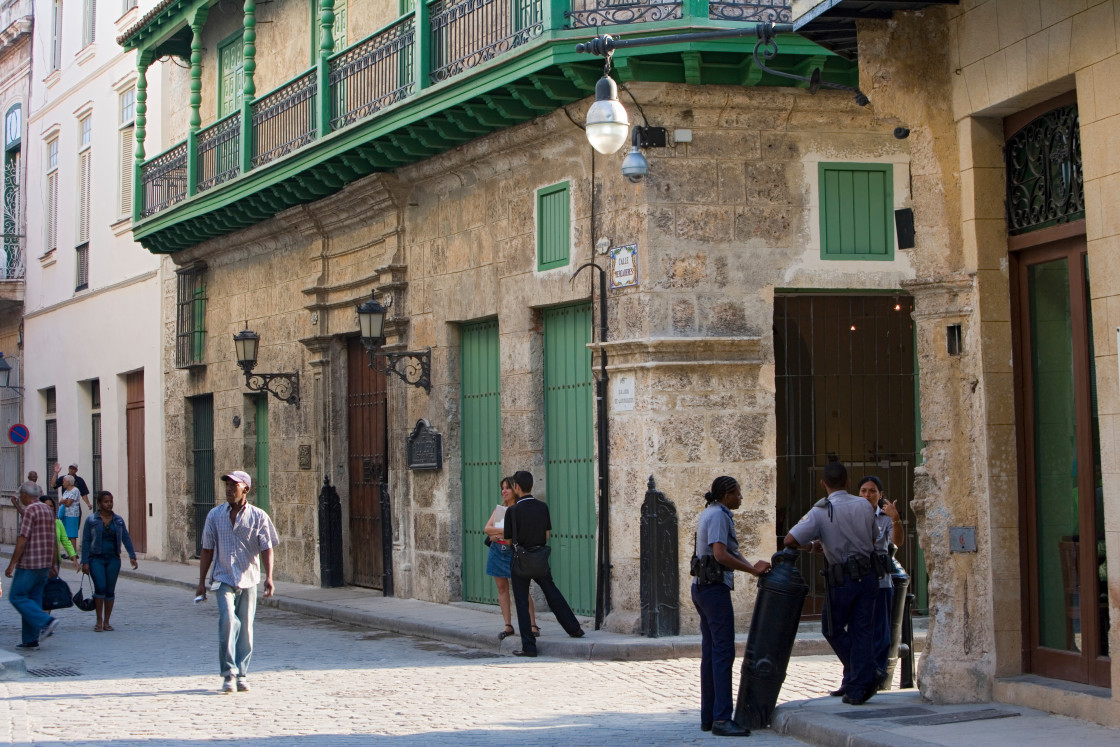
column 52, row 195
column 89, row 22
column 190, row 333
column 231, row 75
column 339, row 27
column 857, row 211
column 553, row 234
column 56, row 35
column 84, row 175
column 126, row 165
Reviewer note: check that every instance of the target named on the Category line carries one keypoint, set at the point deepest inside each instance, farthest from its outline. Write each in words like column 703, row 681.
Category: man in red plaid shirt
column 34, row 561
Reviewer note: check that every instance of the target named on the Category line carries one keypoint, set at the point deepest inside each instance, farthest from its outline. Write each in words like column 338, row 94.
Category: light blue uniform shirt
column 716, row 525
column 850, row 531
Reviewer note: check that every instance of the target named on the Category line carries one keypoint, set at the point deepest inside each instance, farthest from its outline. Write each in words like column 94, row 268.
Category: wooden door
column 369, row 465
column 137, row 469
column 481, row 445
column 569, row 446
column 1061, row 494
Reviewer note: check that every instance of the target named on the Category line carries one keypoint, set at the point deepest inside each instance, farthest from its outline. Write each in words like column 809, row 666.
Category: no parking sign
column 18, row 434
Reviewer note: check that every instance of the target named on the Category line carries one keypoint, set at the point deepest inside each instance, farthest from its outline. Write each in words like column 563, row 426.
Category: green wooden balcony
column 446, row 73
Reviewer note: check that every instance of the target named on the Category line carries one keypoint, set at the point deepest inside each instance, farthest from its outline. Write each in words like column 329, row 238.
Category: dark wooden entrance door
column 137, row 472
column 845, row 390
column 369, row 462
column 1061, row 495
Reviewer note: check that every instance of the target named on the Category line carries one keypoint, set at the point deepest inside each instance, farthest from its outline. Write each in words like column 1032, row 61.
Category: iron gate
column 845, row 376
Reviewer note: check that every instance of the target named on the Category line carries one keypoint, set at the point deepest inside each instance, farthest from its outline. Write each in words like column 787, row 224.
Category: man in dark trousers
column 528, row 524
column 79, row 483
column 845, row 526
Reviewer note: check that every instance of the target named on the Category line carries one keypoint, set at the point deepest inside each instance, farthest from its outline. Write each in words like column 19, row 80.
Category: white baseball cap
column 239, row 476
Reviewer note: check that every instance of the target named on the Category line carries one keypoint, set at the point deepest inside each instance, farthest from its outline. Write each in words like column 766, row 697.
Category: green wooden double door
column 569, row 484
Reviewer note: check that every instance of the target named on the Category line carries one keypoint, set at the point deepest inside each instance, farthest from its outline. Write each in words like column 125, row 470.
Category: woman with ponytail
column 711, row 593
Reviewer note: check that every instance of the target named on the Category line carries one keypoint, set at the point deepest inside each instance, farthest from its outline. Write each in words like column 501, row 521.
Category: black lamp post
column 413, row 367
column 282, row 386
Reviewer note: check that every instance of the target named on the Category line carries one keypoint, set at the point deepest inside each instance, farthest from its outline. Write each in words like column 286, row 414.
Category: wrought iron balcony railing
column 439, row 41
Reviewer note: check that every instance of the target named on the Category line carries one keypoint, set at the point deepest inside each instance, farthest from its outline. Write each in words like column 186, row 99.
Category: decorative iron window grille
column 757, row 11
column 592, row 13
column 81, row 267
column 1045, row 185
column 13, row 235
column 284, row 120
column 219, row 148
column 373, row 74
column 190, row 326
column 164, row 180
column 468, row 33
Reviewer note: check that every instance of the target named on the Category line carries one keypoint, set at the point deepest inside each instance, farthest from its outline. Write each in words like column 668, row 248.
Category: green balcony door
column 569, row 445
column 481, row 446
column 1063, row 537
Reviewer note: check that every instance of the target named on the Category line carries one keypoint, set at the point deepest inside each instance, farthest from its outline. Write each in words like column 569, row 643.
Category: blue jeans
column 717, row 650
column 26, row 595
column 236, row 608
column 103, row 570
column 852, row 608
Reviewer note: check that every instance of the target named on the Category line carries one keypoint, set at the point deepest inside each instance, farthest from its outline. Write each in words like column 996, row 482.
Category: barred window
column 50, row 431
column 95, row 431
column 191, row 317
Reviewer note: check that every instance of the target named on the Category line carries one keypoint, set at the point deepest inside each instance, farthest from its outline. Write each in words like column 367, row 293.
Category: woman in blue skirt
column 500, row 557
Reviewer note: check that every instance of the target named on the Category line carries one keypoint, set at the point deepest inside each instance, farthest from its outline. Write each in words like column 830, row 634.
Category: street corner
column 12, row 666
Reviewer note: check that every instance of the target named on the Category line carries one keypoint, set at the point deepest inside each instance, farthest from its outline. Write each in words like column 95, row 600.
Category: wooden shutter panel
column 83, row 196
column 52, row 211
column 856, row 211
column 553, row 233
column 125, row 201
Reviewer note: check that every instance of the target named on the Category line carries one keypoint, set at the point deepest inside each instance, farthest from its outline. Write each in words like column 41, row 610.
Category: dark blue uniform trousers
column 853, row 630
column 717, row 650
column 556, row 602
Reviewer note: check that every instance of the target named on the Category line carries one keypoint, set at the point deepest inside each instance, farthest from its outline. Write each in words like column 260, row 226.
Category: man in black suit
column 528, row 524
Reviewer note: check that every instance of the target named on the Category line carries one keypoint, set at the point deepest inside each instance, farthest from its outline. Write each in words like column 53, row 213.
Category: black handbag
column 82, row 602
column 56, row 595
column 528, row 562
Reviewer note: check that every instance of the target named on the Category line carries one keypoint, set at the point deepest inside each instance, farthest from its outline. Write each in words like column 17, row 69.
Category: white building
column 92, row 332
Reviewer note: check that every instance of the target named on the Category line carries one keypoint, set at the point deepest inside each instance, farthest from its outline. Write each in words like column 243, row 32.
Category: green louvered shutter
column 570, row 453
column 481, row 445
column 553, row 235
column 857, row 211
column 231, row 81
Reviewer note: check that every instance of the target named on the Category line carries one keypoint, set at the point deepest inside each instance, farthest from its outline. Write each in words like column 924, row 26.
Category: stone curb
column 12, row 666
column 814, row 726
column 590, row 648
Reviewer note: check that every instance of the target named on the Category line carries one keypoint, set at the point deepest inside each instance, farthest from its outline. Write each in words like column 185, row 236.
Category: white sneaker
column 50, row 628
column 242, row 685
column 227, row 683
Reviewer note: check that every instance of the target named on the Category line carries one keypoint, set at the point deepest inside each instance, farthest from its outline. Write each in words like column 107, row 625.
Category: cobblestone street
column 315, row 682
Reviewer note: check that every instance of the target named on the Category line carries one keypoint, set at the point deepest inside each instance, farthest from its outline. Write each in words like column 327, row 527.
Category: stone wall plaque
column 425, row 447
column 624, row 266
column 305, row 456
column 623, row 399
column 962, row 539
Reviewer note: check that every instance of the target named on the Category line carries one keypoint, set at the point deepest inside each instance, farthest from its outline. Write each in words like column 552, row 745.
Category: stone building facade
column 1018, row 429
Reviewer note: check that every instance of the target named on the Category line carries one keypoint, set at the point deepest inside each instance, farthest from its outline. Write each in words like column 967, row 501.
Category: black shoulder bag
column 528, row 562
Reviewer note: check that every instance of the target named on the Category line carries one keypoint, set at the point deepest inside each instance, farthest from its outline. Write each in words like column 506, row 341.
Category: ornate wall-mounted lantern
column 413, row 367
column 282, row 386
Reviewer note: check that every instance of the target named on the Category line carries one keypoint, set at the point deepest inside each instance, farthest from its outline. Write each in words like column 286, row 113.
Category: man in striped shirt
column 237, row 539
column 34, row 560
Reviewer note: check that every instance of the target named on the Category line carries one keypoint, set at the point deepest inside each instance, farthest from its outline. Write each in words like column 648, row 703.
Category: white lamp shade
column 608, row 126
column 371, row 319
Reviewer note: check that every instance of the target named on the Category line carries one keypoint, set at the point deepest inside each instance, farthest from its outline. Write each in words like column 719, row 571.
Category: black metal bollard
column 777, row 611
column 330, row 536
column 899, row 611
column 659, row 577
column 906, row 648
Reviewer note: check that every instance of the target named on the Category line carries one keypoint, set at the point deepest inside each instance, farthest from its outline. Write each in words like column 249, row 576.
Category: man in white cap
column 240, row 538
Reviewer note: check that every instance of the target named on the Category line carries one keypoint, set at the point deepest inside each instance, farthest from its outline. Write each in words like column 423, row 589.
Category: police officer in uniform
column 845, row 526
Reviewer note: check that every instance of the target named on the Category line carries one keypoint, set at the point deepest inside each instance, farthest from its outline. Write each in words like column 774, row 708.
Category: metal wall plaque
column 425, row 447
column 962, row 539
column 305, row 456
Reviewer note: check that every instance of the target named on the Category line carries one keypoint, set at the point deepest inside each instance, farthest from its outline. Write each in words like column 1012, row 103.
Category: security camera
column 902, row 132
column 635, row 166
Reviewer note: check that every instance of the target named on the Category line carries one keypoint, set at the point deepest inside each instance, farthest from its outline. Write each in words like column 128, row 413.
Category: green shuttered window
column 553, row 233
column 231, row 75
column 857, row 210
